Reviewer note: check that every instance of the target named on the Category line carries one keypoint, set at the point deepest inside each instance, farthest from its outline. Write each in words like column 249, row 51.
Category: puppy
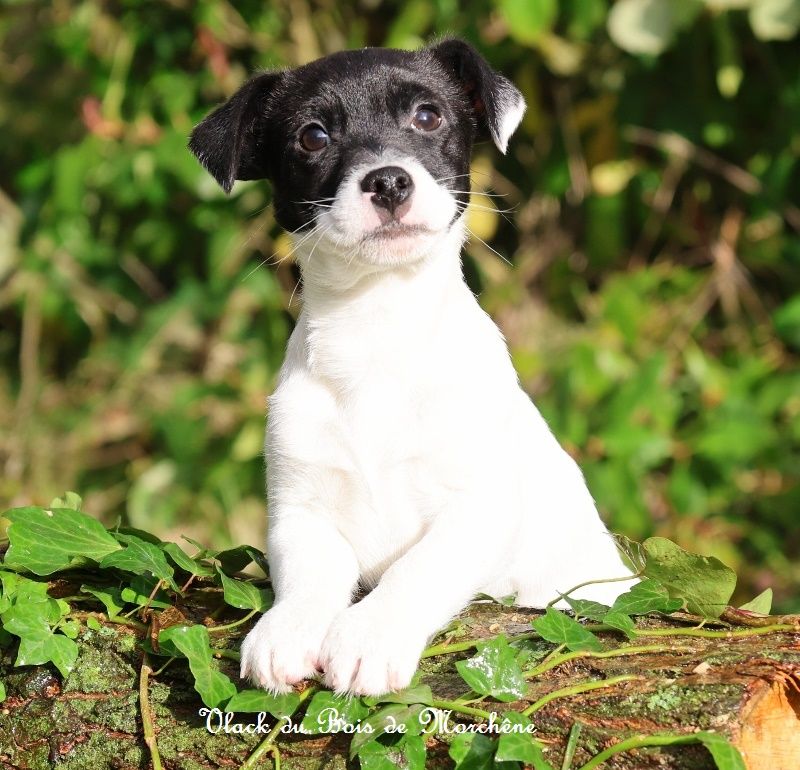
column 401, row 451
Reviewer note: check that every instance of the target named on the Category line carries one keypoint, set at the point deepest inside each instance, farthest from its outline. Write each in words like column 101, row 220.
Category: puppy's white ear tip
column 511, row 113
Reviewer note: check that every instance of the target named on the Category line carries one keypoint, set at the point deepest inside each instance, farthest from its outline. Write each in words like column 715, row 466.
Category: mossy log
column 744, row 684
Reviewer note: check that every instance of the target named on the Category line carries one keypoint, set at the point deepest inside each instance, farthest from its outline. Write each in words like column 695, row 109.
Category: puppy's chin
column 389, row 246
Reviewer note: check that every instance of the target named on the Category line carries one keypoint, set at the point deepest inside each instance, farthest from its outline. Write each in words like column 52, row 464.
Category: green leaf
column 416, row 693
column 111, row 598
column 407, row 754
column 186, row 562
column 703, row 582
column 528, row 20
column 55, row 648
column 140, row 557
column 236, row 559
column 193, row 643
column 621, row 622
column 472, row 751
column 244, row 595
column 37, row 642
column 93, row 623
column 762, row 604
column 494, row 671
column 517, row 744
column 2, row 692
column 330, row 713
column 646, row 596
column 725, row 754
column 588, row 609
column 45, row 541
column 139, row 591
column 255, row 701
column 556, row 627
column 389, row 718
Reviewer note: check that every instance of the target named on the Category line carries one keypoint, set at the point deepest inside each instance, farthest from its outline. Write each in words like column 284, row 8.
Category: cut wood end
column 769, row 733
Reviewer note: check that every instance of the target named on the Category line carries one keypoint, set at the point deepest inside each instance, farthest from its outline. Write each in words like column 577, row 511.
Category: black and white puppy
column 401, row 451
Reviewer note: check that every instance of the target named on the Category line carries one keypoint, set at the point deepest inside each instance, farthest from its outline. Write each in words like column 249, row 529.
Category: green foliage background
column 651, row 303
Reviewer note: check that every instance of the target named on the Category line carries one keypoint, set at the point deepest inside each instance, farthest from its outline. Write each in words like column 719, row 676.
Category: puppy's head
column 370, row 148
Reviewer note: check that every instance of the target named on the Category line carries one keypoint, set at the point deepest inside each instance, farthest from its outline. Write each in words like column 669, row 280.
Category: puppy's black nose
column 391, row 186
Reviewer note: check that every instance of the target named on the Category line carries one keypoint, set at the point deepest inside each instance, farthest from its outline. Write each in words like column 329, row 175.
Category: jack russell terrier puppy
column 402, row 453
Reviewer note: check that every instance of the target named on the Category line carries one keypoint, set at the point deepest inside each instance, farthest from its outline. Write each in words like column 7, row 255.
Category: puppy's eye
column 314, row 138
column 426, row 119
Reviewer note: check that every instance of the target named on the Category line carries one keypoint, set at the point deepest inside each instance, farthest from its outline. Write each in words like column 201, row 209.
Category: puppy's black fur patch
column 364, row 100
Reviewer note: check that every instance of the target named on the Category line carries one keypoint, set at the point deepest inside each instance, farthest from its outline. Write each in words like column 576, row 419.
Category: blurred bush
column 648, row 213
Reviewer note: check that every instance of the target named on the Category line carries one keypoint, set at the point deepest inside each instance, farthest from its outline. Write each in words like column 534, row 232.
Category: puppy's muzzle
column 391, row 188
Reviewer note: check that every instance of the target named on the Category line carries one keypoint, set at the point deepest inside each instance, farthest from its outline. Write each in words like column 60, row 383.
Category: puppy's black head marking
column 429, row 104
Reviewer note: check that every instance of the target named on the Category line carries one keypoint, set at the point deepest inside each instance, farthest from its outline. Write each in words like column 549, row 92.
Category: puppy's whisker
column 311, row 254
column 287, row 256
column 473, row 235
column 479, row 207
column 477, row 192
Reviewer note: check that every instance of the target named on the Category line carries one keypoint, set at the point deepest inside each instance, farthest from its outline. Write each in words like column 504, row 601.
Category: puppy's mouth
column 395, row 229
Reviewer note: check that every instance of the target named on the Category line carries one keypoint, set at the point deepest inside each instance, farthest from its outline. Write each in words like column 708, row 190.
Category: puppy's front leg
column 314, row 572
column 374, row 646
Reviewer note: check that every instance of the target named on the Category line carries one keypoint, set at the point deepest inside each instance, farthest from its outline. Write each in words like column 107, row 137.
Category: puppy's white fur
column 401, row 450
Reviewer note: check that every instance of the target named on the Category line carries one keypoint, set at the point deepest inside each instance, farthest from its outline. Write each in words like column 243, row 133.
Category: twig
column 572, row 745
column 446, row 648
column 577, row 689
column 148, row 726
column 228, row 626
column 679, row 146
column 556, row 660
column 638, row 742
column 585, row 583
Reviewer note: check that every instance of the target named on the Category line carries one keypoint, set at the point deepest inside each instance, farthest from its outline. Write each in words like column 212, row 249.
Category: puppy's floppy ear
column 230, row 141
column 497, row 104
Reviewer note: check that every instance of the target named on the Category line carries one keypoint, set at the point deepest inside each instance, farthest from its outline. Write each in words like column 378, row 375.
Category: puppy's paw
column 283, row 647
column 367, row 652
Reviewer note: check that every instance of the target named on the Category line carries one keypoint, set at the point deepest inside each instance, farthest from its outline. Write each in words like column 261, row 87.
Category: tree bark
column 744, row 686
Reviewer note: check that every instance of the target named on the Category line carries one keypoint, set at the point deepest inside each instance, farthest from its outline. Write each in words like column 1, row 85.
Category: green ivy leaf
column 519, row 745
column 45, row 541
column 724, row 753
column 407, row 754
column 37, row 642
column 494, row 671
column 621, row 622
column 327, row 711
column 415, row 693
column 111, row 598
column 193, row 643
column 236, row 559
column 556, row 627
column 139, row 591
column 55, row 648
column 255, row 701
column 140, row 557
column 646, row 596
column 243, row 595
column 181, row 559
column 472, row 751
column 703, row 582
column 588, row 609
column 388, row 718
column 762, row 604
